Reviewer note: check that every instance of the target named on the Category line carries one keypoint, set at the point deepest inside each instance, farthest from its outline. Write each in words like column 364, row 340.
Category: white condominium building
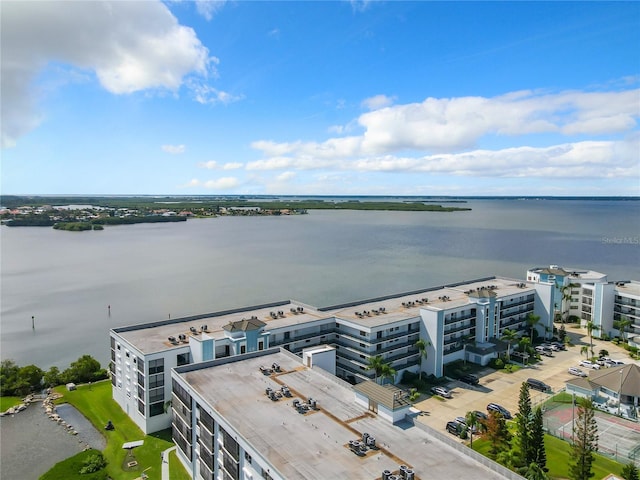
column 457, row 321
column 265, row 415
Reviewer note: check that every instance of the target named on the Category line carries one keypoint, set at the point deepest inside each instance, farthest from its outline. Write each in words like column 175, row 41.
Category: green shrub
column 496, row 363
column 93, row 464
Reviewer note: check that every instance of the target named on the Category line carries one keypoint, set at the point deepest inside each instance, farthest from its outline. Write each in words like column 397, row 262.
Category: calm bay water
column 150, row 272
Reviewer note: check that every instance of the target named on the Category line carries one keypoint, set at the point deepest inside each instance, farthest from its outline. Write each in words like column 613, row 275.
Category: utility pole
column 33, row 322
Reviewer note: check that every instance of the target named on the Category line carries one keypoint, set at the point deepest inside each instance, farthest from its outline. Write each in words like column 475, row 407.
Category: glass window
column 156, row 409
column 183, row 359
column 156, row 366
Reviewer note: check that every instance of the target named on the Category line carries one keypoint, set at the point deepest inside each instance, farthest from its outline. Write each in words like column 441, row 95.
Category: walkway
column 165, row 462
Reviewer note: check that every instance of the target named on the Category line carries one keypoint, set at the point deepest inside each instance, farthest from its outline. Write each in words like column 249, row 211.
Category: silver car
column 577, row 372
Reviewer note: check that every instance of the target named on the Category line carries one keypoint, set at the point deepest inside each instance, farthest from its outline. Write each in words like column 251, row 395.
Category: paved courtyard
column 504, row 388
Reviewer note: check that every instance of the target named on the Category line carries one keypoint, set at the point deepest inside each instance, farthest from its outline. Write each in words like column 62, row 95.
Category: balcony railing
column 298, row 338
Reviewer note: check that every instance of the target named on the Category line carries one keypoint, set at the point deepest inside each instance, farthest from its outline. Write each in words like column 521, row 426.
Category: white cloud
column 208, row 8
column 206, row 94
column 224, row 183
column 286, row 177
column 232, row 166
column 174, row 149
column 211, row 165
column 457, row 124
column 130, row 46
column 593, row 159
column 377, row 102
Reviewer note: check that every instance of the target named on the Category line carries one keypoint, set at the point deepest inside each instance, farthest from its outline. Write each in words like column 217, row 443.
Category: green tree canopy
column 585, row 441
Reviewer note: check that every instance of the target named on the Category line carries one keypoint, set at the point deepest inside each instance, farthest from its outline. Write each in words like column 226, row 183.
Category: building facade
column 457, row 321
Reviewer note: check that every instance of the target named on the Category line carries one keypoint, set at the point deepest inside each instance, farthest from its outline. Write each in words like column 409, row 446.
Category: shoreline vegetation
column 93, row 213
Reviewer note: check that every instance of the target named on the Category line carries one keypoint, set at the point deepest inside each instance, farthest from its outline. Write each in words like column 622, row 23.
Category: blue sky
column 324, row 98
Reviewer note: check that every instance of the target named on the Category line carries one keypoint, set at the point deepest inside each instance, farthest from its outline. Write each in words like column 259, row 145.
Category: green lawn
column 70, row 468
column 176, row 470
column 559, row 456
column 96, row 403
column 7, row 402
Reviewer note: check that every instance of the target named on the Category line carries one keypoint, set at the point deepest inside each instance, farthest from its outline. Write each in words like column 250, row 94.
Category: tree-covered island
column 93, row 213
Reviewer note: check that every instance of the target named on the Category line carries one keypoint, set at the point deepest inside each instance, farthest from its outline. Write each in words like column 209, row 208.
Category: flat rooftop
column 153, row 337
column 314, row 445
column 629, row 288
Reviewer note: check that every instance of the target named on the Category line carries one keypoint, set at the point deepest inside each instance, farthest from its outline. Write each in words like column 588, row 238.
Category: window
column 141, row 406
column 156, row 381
column 287, row 335
column 243, row 349
column 156, row 366
column 260, row 345
column 156, row 395
column 183, row 359
column 156, row 409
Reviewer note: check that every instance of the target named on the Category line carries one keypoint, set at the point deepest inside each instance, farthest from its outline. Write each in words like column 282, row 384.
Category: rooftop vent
column 193, row 329
column 182, row 337
column 172, row 339
column 203, row 328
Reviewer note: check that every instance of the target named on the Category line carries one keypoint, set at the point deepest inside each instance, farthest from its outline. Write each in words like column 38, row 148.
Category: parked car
column 454, row 427
column 470, row 379
column 538, row 385
column 442, row 391
column 589, row 364
column 494, row 407
column 463, row 421
column 480, row 415
column 544, row 351
column 559, row 345
column 577, row 372
column 613, row 363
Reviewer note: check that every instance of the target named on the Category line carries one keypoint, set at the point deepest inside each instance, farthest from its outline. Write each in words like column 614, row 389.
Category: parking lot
column 504, row 388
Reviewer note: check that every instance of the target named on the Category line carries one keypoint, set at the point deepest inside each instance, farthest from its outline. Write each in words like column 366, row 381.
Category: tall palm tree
column 376, row 363
column 590, row 328
column 422, row 348
column 622, row 326
column 509, row 335
column 388, row 372
column 532, row 321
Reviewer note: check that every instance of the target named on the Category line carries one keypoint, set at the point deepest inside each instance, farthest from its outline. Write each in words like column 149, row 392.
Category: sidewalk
column 165, row 462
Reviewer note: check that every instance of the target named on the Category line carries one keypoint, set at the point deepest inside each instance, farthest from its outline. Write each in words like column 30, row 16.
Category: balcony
column 459, row 328
column 298, row 338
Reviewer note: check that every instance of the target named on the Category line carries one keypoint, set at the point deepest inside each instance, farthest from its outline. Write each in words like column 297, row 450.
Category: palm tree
column 622, row 325
column 532, row 321
column 472, row 424
column 388, row 372
column 375, row 364
column 509, row 335
column 590, row 328
column 584, row 349
column 422, row 348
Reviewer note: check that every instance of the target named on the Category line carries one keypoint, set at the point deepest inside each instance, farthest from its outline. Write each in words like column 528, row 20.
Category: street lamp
column 620, row 393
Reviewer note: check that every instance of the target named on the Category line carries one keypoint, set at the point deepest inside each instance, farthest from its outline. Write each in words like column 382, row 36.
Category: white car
column 589, row 364
column 442, row 391
column 577, row 372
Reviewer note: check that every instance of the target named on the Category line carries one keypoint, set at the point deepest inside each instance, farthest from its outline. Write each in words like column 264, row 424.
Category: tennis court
column 617, row 437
